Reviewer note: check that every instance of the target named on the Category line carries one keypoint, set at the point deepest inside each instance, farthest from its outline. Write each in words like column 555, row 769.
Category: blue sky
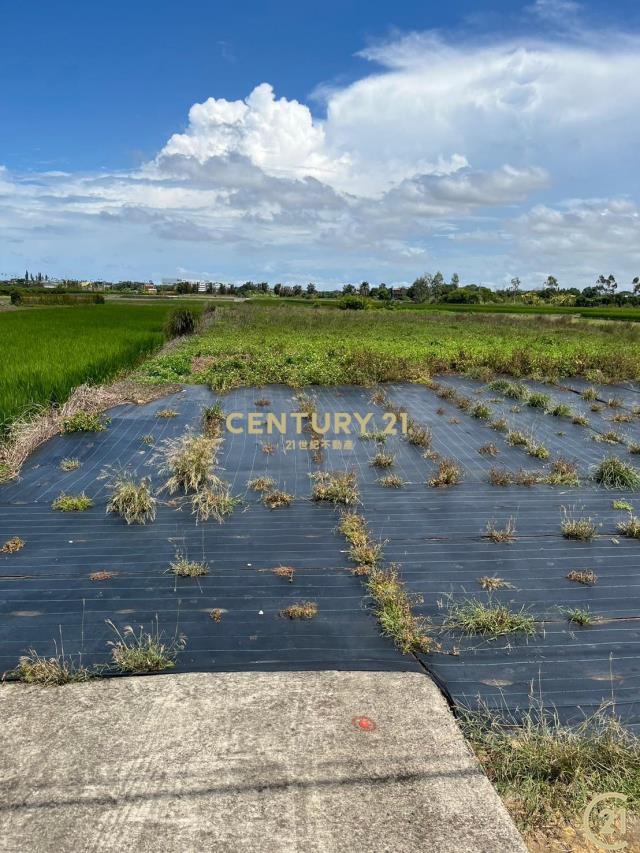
column 332, row 143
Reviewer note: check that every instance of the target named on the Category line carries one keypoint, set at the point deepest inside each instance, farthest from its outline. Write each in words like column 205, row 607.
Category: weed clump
column 338, row 487
column 491, row 583
column 581, row 528
column 418, row 435
column 500, row 425
column 144, row 651
column 83, row 421
column 590, row 394
column 448, row 474
column 583, row 576
column 393, row 608
column 501, row 534
column 630, row 527
column 72, row 503
column 277, row 498
column 286, row 572
column 614, row 473
column 517, row 439
column 622, row 505
column 500, row 477
column 609, row 437
column 166, row 413
column 579, row 616
column 494, row 620
column 131, row 499
column 379, row 436
column 538, row 400
column 580, row 420
column 562, row 473
column 527, row 478
column 189, row 461
column 69, row 463
column 383, row 460
column 489, row 449
column 185, row 568
column 561, row 410
column 55, row 671
column 481, row 411
column 300, row 610
column 213, row 502
column 12, row 545
column 268, row 448
column 101, row 576
column 212, row 420
column 391, row 481
column 513, row 390
column 261, row 484
column 537, row 450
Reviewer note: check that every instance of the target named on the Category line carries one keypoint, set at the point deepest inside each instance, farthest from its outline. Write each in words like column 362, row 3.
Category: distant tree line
column 427, row 288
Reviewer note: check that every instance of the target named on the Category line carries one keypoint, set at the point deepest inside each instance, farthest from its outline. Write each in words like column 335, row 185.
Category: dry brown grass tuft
column 500, row 477
column 501, row 534
column 491, row 583
column 268, row 448
column 448, row 474
column 261, row 484
column 102, row 576
column 489, row 449
column 300, row 610
column 12, row 545
column 286, row 572
column 583, row 576
column 276, row 499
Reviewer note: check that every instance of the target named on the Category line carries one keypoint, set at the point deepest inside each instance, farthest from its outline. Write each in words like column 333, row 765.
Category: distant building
column 150, row 288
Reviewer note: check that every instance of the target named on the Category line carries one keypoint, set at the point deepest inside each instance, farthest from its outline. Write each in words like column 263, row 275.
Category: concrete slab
column 243, row 762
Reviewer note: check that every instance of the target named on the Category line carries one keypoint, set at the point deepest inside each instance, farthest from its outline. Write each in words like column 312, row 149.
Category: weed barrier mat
column 436, row 535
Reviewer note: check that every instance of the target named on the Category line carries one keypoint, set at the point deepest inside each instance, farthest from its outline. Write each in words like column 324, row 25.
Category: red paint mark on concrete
column 364, row 723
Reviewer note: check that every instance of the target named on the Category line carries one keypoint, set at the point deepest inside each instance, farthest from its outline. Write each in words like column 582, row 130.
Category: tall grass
column 46, row 352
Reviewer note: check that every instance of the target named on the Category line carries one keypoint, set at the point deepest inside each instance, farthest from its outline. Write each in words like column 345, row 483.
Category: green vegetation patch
column 254, row 344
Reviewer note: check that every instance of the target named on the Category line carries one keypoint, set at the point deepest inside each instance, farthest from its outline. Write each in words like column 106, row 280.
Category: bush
column 352, row 303
column 181, row 321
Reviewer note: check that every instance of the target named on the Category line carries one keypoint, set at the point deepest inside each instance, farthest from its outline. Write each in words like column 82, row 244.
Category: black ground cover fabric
column 434, row 535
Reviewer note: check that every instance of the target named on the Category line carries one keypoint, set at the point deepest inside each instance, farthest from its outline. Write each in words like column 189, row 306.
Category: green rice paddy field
column 46, row 352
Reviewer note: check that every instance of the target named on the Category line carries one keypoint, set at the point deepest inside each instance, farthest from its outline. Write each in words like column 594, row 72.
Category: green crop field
column 252, row 344
column 605, row 312
column 46, row 352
